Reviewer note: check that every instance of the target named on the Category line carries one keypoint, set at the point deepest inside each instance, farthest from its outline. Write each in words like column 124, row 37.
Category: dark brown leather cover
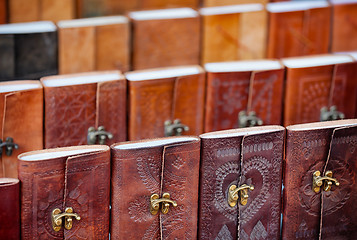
column 166, row 165
column 70, row 110
column 3, row 12
column 153, row 101
column 9, row 208
column 323, row 147
column 21, row 118
column 252, row 156
column 61, row 178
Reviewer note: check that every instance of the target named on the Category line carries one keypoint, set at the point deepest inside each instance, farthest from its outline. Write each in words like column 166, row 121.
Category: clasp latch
column 332, row 114
column 9, row 146
column 243, row 194
column 165, row 201
column 99, row 134
column 68, row 221
column 249, row 120
column 175, row 128
column 327, row 180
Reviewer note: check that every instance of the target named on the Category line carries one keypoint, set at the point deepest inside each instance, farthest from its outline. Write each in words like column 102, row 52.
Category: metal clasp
column 99, row 134
column 9, row 146
column 249, row 120
column 68, row 221
column 175, row 128
column 243, row 194
column 165, row 201
column 329, row 115
column 327, row 180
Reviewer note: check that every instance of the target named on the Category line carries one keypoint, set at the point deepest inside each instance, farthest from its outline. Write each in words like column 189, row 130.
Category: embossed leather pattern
column 323, row 147
column 137, row 173
column 80, row 181
column 240, row 157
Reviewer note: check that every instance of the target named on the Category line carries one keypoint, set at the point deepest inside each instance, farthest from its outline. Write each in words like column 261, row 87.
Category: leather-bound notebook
column 21, row 122
column 84, row 108
column 9, row 209
column 166, row 102
column 28, row 50
column 243, row 94
column 235, row 32
column 164, row 38
column 240, row 183
column 214, row 3
column 65, row 193
column 320, row 88
column 94, row 44
column 320, row 191
column 155, row 189
column 298, row 28
column 3, row 12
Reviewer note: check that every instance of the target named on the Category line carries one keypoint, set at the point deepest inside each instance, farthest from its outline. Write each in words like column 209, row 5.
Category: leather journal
column 94, row 44
column 84, row 108
column 320, row 191
column 9, row 209
column 298, row 28
column 164, row 38
column 240, row 183
column 166, row 102
column 235, row 32
column 28, row 50
column 320, row 88
column 243, row 94
column 3, row 11
column 214, row 3
column 21, row 122
column 155, row 189
column 65, row 193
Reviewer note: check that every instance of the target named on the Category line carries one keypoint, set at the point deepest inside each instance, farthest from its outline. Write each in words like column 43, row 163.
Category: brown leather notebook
column 65, row 193
column 9, row 209
column 214, row 3
column 21, row 120
column 320, row 191
column 94, row 44
column 166, row 102
column 84, row 108
column 240, row 183
column 164, row 38
column 234, row 32
column 3, row 11
column 320, row 88
column 243, row 94
column 155, row 189
column 298, row 28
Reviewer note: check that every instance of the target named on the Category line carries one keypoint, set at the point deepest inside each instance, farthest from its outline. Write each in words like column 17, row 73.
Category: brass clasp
column 327, row 180
column 329, row 115
column 175, row 128
column 99, row 134
column 243, row 194
column 9, row 146
column 248, row 120
column 68, row 221
column 165, row 201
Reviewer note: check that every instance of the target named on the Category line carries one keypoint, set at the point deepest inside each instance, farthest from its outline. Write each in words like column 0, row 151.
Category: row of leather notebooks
column 173, row 37
column 220, row 185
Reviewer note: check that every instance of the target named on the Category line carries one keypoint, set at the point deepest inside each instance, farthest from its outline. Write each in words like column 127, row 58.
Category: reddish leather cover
column 77, row 180
column 166, row 165
column 3, row 12
column 252, row 156
column 323, row 215
column 9, row 208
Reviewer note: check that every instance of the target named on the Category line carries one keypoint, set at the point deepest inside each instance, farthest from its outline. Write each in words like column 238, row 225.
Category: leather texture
column 324, row 147
column 171, row 166
column 62, row 178
column 154, row 101
column 10, row 208
column 21, row 118
column 252, row 156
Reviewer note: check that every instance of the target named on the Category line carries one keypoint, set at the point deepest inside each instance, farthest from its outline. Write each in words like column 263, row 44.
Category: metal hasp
column 327, row 180
column 9, row 146
column 165, row 202
column 175, row 128
column 329, row 115
column 243, row 194
column 249, row 120
column 68, row 221
column 99, row 135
